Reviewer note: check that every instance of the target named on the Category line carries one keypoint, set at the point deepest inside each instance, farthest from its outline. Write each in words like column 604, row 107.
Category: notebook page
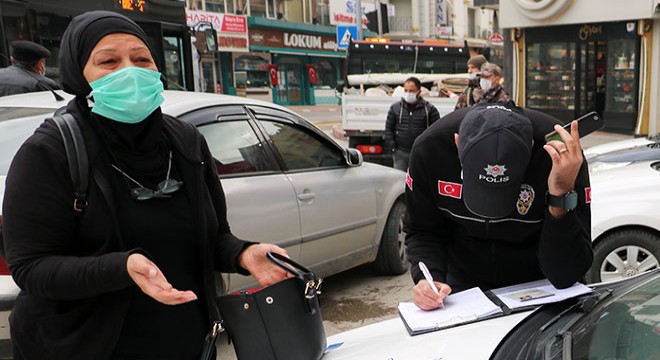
column 458, row 308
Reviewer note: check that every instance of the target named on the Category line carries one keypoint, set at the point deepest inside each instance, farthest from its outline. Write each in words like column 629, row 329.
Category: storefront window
column 325, row 73
column 621, row 86
column 550, row 75
column 220, row 6
column 263, row 8
column 256, row 69
column 321, row 12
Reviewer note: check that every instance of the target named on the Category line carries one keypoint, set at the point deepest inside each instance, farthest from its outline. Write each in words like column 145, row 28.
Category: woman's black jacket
column 72, row 269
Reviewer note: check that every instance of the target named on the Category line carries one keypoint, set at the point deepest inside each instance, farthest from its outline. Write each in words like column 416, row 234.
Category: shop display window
column 551, row 75
column 326, row 74
column 621, row 86
column 256, row 69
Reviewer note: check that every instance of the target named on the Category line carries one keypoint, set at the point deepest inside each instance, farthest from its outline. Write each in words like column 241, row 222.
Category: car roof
column 176, row 102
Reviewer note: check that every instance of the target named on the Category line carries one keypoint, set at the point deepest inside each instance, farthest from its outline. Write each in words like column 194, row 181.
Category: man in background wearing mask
column 26, row 73
column 466, row 99
column 406, row 120
column 490, row 90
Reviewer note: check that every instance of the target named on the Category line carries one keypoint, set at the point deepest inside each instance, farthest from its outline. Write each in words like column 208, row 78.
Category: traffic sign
column 344, row 35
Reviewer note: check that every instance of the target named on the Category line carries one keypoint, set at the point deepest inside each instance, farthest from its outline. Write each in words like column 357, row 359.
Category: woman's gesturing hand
column 152, row 282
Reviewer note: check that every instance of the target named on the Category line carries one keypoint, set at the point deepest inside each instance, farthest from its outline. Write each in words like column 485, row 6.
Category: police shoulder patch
column 525, row 199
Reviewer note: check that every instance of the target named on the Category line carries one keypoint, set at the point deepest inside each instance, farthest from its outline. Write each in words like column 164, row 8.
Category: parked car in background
column 625, row 193
column 619, row 320
column 286, row 182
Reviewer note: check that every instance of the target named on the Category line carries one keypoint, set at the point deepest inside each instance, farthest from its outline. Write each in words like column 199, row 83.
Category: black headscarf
column 83, row 33
column 139, row 149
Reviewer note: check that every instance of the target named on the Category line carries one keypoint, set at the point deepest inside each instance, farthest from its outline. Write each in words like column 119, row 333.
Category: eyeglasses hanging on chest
column 163, row 189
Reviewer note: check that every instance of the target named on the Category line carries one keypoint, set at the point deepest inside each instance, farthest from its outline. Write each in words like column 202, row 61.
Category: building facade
column 572, row 57
column 290, row 51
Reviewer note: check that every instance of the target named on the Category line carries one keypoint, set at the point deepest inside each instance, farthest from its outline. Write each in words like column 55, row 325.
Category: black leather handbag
column 279, row 322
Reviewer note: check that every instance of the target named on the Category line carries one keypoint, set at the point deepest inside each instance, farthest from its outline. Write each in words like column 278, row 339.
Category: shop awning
column 299, row 52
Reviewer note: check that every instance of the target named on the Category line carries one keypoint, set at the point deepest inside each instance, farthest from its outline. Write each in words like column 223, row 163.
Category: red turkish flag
column 450, row 189
column 409, row 180
column 272, row 71
column 587, row 195
column 311, row 71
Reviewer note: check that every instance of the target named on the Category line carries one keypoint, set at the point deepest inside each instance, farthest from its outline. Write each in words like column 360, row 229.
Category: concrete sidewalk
column 315, row 108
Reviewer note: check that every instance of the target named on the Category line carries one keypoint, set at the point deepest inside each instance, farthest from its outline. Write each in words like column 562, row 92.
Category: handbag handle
column 312, row 283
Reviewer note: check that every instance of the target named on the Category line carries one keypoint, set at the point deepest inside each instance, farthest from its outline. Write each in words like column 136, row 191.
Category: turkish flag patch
column 587, row 195
column 450, row 189
column 409, row 180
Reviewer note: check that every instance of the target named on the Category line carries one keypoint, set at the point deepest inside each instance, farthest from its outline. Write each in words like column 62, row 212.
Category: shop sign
column 226, row 23
column 441, row 12
column 444, row 31
column 587, row 31
column 343, row 12
column 232, row 29
column 291, row 40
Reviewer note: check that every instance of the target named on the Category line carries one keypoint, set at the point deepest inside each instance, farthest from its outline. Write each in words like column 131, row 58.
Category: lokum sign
column 291, row 40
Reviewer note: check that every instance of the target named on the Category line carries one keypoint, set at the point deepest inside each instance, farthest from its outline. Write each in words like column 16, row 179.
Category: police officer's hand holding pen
column 429, row 294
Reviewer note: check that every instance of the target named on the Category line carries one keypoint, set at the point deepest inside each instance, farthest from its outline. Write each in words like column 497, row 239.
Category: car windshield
column 16, row 125
column 626, row 328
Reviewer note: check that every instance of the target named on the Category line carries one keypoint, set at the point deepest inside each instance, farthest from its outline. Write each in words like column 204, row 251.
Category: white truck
column 365, row 107
column 363, row 115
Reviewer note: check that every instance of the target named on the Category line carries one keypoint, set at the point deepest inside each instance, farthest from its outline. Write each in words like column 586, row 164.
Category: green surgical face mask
column 128, row 95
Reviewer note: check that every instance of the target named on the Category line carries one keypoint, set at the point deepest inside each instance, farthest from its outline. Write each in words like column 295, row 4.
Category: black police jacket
column 406, row 122
column 465, row 250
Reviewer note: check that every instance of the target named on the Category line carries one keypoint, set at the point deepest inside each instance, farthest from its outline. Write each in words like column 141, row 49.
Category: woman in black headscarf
column 94, row 286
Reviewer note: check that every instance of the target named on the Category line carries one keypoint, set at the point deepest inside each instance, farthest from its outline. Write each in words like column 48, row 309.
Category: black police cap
column 23, row 50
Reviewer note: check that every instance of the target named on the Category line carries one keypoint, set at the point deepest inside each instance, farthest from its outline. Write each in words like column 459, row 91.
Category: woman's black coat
column 72, row 269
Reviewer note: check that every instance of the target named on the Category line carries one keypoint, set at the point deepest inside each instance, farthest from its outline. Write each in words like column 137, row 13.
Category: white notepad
column 466, row 306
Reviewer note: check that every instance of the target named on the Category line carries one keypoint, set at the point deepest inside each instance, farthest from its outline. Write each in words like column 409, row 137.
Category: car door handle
column 306, row 196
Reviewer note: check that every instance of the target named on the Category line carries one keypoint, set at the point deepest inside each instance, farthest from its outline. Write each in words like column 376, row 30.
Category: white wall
column 562, row 12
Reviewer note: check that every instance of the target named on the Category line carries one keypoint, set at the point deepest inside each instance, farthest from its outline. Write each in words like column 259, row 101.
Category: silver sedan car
column 286, row 182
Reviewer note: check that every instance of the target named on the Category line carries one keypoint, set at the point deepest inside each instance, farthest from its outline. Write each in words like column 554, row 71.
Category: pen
column 428, row 277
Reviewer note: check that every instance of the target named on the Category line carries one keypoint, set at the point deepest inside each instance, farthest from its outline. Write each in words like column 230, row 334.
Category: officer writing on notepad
column 491, row 204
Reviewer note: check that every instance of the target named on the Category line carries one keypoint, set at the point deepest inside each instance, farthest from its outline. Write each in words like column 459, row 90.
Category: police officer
column 26, row 74
column 491, row 204
column 406, row 119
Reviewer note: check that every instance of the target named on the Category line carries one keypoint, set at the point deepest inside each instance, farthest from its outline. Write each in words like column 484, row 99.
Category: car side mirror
column 353, row 157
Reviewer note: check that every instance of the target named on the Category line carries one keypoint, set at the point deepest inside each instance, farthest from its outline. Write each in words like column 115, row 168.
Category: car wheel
column 623, row 254
column 391, row 258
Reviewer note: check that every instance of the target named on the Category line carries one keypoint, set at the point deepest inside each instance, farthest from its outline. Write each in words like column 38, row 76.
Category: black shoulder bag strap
column 76, row 154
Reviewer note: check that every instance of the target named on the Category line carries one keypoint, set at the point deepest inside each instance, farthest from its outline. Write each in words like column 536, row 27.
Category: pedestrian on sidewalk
column 406, row 120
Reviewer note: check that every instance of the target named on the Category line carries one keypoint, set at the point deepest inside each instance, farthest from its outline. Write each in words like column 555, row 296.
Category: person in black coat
column 133, row 277
column 406, row 120
column 491, row 204
column 26, row 73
